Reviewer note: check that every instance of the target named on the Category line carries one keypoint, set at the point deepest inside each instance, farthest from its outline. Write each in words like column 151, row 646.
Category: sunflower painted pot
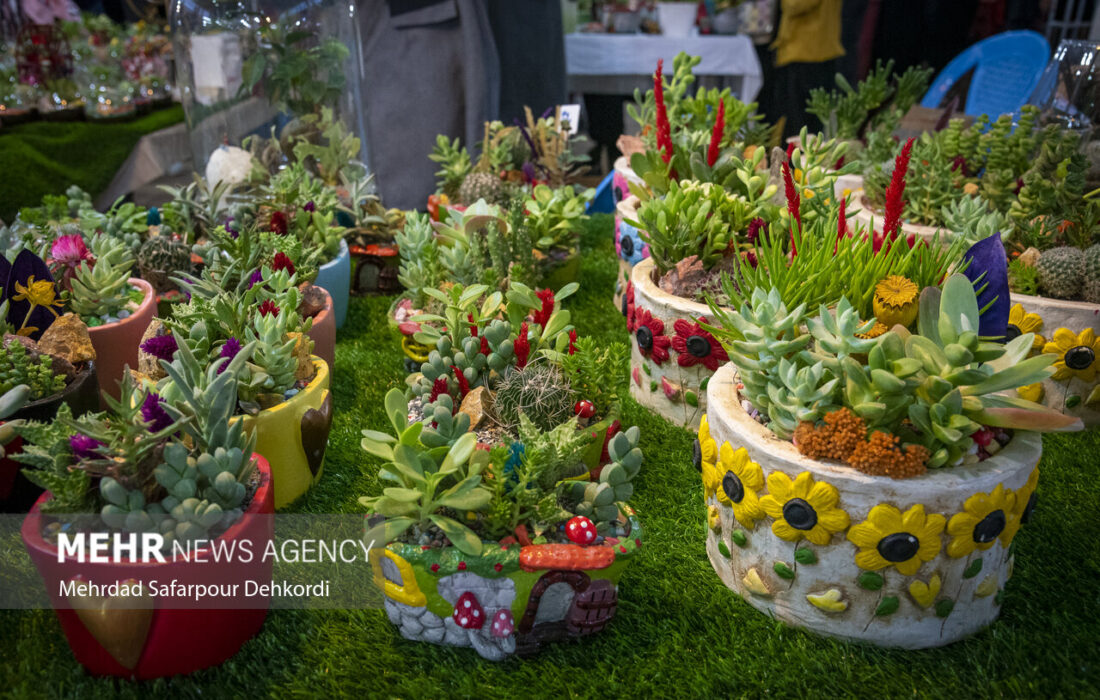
column 116, row 343
column 630, row 249
column 511, row 599
column 335, row 278
column 1069, row 330
column 909, row 563
column 671, row 357
column 156, row 641
column 293, row 436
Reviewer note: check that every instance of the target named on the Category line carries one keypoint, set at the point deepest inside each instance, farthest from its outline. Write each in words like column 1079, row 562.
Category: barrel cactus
column 482, row 185
column 1061, row 272
column 1092, row 274
column 161, row 257
column 540, row 392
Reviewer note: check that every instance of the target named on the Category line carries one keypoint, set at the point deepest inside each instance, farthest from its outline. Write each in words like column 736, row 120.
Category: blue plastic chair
column 604, row 201
column 1006, row 68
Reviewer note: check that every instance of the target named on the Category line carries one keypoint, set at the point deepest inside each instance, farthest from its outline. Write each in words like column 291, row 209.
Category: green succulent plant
column 17, row 368
column 102, row 288
column 599, row 500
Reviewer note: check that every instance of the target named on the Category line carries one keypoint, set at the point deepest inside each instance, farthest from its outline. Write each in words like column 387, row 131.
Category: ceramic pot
column 17, row 494
column 867, row 214
column 323, row 332
column 292, row 436
column 335, row 278
column 672, row 383
column 527, row 595
column 116, row 344
column 629, row 247
column 1076, row 393
column 677, row 19
column 158, row 641
column 911, row 563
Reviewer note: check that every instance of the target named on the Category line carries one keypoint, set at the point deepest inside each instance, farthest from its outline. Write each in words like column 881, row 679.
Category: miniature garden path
column 679, row 631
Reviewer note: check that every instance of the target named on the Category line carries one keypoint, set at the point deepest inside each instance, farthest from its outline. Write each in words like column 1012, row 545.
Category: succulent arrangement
column 18, row 366
column 875, row 105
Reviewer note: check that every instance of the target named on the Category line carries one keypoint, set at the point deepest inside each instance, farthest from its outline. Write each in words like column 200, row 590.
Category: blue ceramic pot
column 335, row 278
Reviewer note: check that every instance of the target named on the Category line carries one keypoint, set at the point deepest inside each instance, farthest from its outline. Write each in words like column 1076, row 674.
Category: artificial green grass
column 679, row 631
column 44, row 158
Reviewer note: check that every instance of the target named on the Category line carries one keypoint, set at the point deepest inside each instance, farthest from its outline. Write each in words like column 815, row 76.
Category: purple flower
column 84, row 447
column 232, row 230
column 154, row 414
column 256, row 278
column 310, row 206
column 229, row 351
column 162, row 347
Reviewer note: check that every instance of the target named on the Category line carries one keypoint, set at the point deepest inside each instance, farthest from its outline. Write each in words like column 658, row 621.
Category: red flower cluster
column 282, row 262
column 278, row 223
column 697, row 346
column 650, row 335
column 463, row 383
column 664, row 129
column 716, row 134
column 473, row 326
column 895, row 193
column 522, row 347
column 573, row 342
column 794, row 202
column 542, row 316
column 268, row 307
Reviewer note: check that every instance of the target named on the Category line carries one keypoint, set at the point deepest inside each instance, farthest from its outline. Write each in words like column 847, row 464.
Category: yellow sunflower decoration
column 706, row 454
column 803, row 508
column 1021, row 511
column 889, row 537
column 896, row 301
column 1076, row 354
column 740, row 479
column 984, row 519
column 1021, row 322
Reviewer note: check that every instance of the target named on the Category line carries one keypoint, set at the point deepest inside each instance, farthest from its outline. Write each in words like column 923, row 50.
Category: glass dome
column 245, row 66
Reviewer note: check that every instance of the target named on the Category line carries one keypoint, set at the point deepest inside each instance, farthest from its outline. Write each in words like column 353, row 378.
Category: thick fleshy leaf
column 1040, row 419
column 987, row 268
column 27, row 265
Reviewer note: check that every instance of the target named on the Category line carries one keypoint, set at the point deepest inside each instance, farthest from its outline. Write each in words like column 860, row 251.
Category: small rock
column 313, row 300
column 59, row 364
column 123, row 314
column 148, row 364
column 67, row 338
column 1029, row 257
column 476, row 405
column 302, row 349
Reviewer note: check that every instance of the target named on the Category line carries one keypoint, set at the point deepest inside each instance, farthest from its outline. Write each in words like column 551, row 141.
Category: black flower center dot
column 1012, row 332
column 1080, row 357
column 624, row 304
column 627, row 244
column 733, row 487
column 799, row 514
column 618, row 192
column 898, row 547
column 697, row 455
column 1031, row 500
column 645, row 338
column 698, row 346
column 990, row 526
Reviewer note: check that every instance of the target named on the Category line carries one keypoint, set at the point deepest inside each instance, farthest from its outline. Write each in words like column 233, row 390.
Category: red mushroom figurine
column 503, row 623
column 468, row 612
column 580, row 530
column 584, row 408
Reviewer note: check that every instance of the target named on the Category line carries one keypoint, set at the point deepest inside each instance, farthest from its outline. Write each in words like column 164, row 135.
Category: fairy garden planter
column 101, row 467
column 878, row 505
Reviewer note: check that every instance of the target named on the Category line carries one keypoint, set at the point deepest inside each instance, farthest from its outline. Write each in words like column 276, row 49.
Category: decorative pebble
column 747, row 405
column 123, row 314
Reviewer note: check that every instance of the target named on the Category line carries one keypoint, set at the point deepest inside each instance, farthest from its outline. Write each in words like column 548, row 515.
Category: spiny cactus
column 1061, row 272
column 479, row 185
column 160, row 257
column 539, row 391
column 1091, row 289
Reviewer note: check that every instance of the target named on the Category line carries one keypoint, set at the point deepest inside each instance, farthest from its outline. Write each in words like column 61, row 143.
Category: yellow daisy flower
column 706, row 454
column 740, row 479
column 1021, row 511
column 890, row 538
column 983, row 520
column 1077, row 354
column 803, row 508
column 1021, row 322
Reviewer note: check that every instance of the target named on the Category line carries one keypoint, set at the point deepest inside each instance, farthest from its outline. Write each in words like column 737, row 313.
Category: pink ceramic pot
column 116, row 344
column 323, row 332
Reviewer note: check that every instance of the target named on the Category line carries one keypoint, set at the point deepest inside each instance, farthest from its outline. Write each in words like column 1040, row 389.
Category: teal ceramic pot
column 335, row 278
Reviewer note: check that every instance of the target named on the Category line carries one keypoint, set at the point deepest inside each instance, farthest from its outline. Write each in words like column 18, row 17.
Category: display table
column 617, row 63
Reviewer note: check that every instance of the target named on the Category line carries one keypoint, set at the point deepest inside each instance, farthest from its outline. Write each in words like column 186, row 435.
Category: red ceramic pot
column 109, row 641
column 323, row 332
column 116, row 344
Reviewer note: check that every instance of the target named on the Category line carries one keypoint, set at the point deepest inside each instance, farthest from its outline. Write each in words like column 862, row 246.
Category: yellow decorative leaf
column 925, row 593
column 988, row 586
column 1032, row 392
column 830, row 601
column 755, row 584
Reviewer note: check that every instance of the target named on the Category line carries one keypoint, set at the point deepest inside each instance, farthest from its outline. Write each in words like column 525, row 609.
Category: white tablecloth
column 636, row 55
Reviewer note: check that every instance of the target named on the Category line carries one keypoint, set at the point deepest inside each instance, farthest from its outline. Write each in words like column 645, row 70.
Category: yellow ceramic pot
column 292, row 436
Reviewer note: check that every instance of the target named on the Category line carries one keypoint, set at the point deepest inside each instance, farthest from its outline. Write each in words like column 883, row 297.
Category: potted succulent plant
column 283, row 394
column 179, row 469
column 870, row 488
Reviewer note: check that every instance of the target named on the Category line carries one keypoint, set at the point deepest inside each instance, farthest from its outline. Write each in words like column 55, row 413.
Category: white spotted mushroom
column 468, row 612
column 503, row 623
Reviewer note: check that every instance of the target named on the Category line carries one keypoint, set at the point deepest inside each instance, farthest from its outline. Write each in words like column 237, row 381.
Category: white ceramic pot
column 677, row 19
column 909, row 563
column 669, row 381
column 1071, row 393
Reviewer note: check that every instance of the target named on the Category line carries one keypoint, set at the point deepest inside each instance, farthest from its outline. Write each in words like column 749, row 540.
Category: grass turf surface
column 42, row 158
column 679, row 631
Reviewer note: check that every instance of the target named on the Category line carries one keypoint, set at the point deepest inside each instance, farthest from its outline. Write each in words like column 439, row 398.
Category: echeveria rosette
column 987, row 268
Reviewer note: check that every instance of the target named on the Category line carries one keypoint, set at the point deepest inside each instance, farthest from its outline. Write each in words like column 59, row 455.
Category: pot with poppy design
column 116, row 343
column 1070, row 330
column 335, row 278
column 912, row 563
column 292, row 436
column 154, row 636
column 672, row 358
column 630, row 249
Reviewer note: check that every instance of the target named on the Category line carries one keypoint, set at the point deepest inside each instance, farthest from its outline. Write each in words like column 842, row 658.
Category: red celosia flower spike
column 841, row 226
column 573, row 342
column 439, row 387
column 794, row 202
column 473, row 326
column 542, row 316
column 895, row 193
column 463, row 383
column 716, row 134
column 664, row 129
column 522, row 347
column 268, row 307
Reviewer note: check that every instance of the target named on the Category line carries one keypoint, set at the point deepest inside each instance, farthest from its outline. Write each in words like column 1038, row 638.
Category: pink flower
column 70, row 250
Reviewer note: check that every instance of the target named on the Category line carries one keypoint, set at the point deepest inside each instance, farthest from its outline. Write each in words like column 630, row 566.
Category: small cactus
column 540, row 392
column 162, row 257
column 1092, row 274
column 1061, row 272
column 478, row 185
